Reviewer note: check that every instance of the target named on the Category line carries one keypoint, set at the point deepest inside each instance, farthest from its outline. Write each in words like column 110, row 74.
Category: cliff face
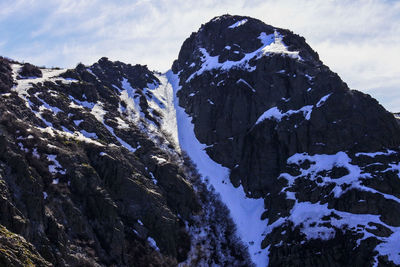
column 98, row 163
column 292, row 132
column 258, row 93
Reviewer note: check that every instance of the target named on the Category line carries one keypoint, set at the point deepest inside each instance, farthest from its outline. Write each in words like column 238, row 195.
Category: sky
column 358, row 39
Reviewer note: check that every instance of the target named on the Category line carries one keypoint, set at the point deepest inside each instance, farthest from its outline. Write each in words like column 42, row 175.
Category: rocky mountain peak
column 291, row 132
column 278, row 92
column 226, row 39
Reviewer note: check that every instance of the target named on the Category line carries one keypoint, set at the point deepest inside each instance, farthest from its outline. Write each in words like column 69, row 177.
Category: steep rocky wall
column 292, row 132
column 225, row 102
column 6, row 80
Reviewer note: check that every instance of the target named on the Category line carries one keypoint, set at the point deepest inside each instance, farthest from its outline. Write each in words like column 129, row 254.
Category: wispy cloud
column 359, row 39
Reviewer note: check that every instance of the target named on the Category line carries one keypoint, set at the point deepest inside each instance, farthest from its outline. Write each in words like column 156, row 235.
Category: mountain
column 249, row 151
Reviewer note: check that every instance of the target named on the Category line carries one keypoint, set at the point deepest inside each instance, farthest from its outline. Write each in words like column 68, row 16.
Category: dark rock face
column 6, row 80
column 397, row 116
column 259, row 95
column 89, row 178
column 29, row 70
column 347, row 120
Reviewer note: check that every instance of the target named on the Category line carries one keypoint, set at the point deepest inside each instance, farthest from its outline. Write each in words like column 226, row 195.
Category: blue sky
column 358, row 39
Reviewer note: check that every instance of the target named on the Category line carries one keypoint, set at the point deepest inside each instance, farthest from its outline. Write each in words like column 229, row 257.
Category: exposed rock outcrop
column 89, row 175
column 6, row 80
column 29, row 71
column 15, row 251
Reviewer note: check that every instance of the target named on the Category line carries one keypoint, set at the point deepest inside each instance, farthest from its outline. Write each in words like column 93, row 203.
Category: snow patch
column 159, row 159
column 153, row 243
column 246, row 83
column 56, row 166
column 323, row 100
column 21, row 146
column 98, row 112
column 237, row 24
column 165, row 91
column 91, row 72
column 271, row 44
column 77, row 122
column 121, row 123
column 374, row 154
column 274, row 44
column 276, row 114
column 89, row 135
column 65, row 129
column 75, row 103
column 122, row 142
column 35, row 153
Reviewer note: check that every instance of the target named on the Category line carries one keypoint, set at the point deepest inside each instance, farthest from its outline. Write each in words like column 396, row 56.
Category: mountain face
column 255, row 111
column 92, row 175
column 249, row 151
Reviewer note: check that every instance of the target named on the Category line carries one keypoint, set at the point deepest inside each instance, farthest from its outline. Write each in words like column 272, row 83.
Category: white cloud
column 359, row 39
column 12, row 7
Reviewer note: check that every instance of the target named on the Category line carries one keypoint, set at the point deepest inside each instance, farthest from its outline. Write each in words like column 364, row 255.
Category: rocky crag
column 98, row 163
column 292, row 132
column 92, row 176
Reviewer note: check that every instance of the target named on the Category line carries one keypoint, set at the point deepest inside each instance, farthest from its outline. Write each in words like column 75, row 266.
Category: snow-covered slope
column 245, row 212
